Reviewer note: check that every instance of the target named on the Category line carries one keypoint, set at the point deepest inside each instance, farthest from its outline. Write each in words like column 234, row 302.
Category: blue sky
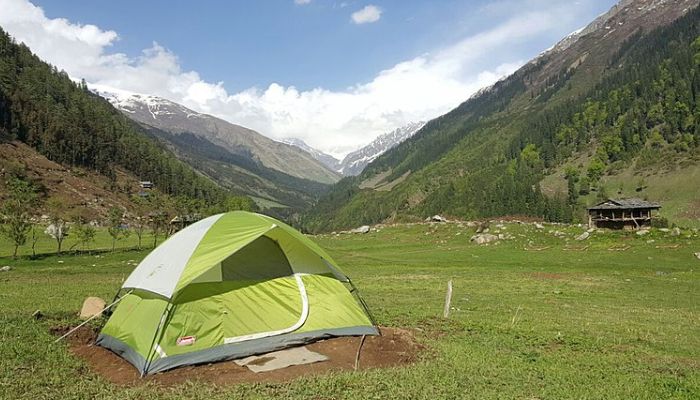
column 303, row 70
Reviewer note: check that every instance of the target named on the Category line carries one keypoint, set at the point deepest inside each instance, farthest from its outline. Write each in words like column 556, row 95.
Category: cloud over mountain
column 335, row 121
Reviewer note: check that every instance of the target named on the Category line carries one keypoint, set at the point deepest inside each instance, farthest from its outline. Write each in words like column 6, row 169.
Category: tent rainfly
column 230, row 286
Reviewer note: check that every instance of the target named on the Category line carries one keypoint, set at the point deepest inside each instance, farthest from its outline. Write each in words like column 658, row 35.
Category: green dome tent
column 230, row 286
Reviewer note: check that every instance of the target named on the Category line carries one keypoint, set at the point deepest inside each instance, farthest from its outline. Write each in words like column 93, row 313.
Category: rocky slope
column 355, row 162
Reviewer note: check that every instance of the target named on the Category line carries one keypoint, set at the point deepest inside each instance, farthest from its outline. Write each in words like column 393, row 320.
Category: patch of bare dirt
column 394, row 347
column 546, row 276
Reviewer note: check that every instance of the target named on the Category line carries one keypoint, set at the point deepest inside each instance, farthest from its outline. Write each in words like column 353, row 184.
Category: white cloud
column 366, row 15
column 302, row 2
column 333, row 121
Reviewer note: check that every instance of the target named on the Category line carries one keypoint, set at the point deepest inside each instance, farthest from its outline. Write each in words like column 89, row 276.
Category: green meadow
column 536, row 316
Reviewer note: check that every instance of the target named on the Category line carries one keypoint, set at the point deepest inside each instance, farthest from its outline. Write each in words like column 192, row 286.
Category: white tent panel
column 160, row 271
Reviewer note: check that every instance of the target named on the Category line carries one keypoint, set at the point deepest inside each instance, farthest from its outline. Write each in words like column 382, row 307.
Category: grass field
column 534, row 317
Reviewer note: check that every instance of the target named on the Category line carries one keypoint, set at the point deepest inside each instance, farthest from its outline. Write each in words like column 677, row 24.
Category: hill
column 619, row 97
column 45, row 110
column 279, row 177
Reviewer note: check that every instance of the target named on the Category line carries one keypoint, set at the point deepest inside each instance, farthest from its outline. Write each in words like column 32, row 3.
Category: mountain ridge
column 487, row 156
column 175, row 118
column 355, row 162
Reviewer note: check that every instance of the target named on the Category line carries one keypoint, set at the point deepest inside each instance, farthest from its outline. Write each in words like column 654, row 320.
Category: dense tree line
column 45, row 109
column 649, row 103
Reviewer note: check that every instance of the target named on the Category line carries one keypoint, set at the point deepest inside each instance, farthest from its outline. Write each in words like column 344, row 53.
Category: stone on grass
column 583, row 236
column 6, row 268
column 676, row 231
column 697, row 255
column 642, row 232
column 538, row 225
column 362, row 229
column 483, row 238
column 92, row 306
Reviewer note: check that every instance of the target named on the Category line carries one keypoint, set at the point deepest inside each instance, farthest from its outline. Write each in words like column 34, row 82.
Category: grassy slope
column 525, row 324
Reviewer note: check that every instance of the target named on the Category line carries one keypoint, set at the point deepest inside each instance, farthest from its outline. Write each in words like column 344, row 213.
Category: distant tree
column 35, row 239
column 58, row 227
column 141, row 221
column 16, row 210
column 158, row 216
column 595, row 170
column 571, row 175
column 531, row 156
column 115, row 227
column 84, row 232
column 158, row 222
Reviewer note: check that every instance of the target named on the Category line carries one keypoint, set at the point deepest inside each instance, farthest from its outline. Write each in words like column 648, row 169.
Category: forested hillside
column 622, row 97
column 43, row 108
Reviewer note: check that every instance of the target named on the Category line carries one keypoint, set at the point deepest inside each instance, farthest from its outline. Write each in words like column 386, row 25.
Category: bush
column 659, row 222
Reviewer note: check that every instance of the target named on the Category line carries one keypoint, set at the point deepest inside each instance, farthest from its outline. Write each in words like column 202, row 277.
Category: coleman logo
column 186, row 340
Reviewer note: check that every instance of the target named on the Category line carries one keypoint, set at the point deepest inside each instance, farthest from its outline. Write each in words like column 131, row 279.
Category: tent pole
column 93, row 317
column 157, row 335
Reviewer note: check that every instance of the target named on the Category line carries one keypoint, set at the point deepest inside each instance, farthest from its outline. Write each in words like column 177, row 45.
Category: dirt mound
column 393, row 348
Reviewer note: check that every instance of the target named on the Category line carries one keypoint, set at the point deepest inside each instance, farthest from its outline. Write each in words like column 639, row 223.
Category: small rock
column 483, row 238
column 362, row 229
column 591, row 230
column 538, row 225
column 583, row 236
column 676, row 231
column 642, row 232
column 697, row 255
column 665, row 230
column 6, row 268
column 92, row 306
column 436, row 218
column 60, row 261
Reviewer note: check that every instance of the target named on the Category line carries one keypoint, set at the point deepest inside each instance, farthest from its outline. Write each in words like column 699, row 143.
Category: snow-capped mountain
column 325, row 159
column 355, row 162
column 177, row 119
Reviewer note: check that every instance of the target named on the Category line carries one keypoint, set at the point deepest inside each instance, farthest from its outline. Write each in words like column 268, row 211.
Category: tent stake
column 359, row 348
column 93, row 317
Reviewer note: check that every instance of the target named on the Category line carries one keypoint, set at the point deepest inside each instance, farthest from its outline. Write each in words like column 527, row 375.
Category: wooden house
column 622, row 214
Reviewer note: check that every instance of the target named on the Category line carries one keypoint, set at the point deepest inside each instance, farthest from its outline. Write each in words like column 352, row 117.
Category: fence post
column 448, row 300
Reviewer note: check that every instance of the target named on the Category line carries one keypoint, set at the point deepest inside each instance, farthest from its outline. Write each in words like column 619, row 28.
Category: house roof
column 624, row 204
